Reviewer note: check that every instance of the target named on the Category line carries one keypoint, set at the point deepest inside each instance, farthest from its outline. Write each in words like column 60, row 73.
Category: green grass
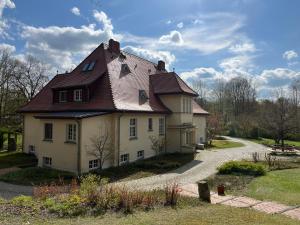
column 35, row 176
column 282, row 186
column 190, row 215
column 11, row 159
column 267, row 141
column 147, row 167
column 219, row 144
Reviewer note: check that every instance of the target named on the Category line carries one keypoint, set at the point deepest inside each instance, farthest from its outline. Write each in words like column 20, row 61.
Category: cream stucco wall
column 200, row 122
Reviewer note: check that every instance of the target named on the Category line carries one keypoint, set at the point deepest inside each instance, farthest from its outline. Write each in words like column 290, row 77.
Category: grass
column 147, row 167
column 35, row 176
column 267, row 141
column 188, row 215
column 18, row 159
column 219, row 144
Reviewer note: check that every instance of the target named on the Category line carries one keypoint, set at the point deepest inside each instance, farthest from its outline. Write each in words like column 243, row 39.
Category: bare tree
column 30, row 77
column 200, row 88
column 101, row 146
column 214, row 127
column 157, row 144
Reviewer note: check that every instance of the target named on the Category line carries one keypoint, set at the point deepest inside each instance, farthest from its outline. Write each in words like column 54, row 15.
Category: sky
column 203, row 40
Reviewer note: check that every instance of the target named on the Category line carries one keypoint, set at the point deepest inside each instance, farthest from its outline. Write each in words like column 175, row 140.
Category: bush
column 171, row 194
column 242, row 168
column 23, row 200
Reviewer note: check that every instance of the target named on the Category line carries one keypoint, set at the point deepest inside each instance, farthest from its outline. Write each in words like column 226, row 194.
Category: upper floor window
column 62, row 96
column 71, row 133
column 187, row 105
column 161, row 126
column 78, row 95
column 48, row 131
column 132, row 128
column 150, row 124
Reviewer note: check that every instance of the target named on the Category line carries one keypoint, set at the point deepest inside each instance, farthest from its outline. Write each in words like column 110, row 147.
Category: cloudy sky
column 199, row 39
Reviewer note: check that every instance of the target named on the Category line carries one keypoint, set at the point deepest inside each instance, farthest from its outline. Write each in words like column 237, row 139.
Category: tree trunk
column 203, row 190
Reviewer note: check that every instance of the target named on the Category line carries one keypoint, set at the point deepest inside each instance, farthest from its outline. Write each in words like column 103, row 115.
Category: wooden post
column 203, row 190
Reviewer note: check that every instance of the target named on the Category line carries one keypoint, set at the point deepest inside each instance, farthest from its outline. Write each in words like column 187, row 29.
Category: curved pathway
column 204, row 165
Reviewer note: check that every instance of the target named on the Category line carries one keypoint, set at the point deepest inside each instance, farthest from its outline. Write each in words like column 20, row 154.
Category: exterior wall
column 142, row 142
column 200, row 123
column 64, row 155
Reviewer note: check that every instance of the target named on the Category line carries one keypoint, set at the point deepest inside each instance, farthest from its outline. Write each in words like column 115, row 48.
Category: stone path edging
column 245, row 202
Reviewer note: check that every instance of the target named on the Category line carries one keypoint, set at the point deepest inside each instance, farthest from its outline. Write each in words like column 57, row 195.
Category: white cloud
column 6, row 4
column 169, row 22
column 7, row 47
column 246, row 47
column 278, row 77
column 3, row 22
column 75, row 11
column 173, row 38
column 180, row 25
column 289, row 55
column 152, row 55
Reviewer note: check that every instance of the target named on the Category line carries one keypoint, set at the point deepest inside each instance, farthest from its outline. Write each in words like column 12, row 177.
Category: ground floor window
column 71, row 133
column 140, row 154
column 31, row 149
column 47, row 161
column 93, row 164
column 188, row 138
column 161, row 126
column 124, row 159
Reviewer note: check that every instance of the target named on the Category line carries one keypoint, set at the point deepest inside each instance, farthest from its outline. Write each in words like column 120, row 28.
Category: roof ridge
column 176, row 77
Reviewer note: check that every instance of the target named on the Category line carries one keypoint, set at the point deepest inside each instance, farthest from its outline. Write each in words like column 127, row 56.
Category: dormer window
column 85, row 67
column 62, row 96
column 78, row 95
column 125, row 68
column 143, row 96
column 91, row 66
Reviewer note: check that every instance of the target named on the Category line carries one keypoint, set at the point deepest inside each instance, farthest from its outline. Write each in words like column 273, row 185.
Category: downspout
column 165, row 134
column 119, row 136
column 23, row 134
column 79, row 148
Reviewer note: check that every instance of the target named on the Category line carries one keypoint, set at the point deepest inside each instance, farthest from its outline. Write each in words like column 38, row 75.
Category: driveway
column 204, row 165
column 8, row 191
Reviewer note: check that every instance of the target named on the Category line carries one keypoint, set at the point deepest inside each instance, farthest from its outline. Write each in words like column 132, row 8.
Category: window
column 48, row 131
column 62, row 96
column 132, row 128
column 188, row 138
column 150, row 124
column 85, row 67
column 124, row 159
column 140, row 154
column 91, row 66
column 93, row 164
column 161, row 126
column 47, row 161
column 71, row 133
column 31, row 149
column 184, row 105
column 78, row 95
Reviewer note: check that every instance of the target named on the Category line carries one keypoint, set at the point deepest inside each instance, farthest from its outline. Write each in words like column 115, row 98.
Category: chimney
column 161, row 65
column 114, row 46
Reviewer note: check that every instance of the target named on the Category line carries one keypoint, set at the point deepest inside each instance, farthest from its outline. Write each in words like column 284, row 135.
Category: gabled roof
column 170, row 83
column 197, row 109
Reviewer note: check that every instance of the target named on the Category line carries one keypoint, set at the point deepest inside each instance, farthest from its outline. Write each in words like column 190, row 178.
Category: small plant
column 22, row 200
column 242, row 168
column 171, row 194
column 270, row 160
column 255, row 157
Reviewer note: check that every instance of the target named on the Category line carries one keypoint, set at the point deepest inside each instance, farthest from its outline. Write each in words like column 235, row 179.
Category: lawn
column 36, row 176
column 147, row 167
column 188, row 215
column 219, row 144
column 267, row 141
column 18, row 159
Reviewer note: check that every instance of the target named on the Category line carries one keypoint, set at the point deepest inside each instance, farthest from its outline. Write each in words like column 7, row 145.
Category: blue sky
column 203, row 39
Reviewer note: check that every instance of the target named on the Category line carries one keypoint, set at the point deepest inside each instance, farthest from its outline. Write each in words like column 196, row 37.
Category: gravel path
column 204, row 165
column 9, row 191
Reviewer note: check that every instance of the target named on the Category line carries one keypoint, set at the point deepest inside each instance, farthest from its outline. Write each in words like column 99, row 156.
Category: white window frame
column 71, row 133
column 60, row 94
column 47, row 161
column 124, row 158
column 93, row 164
column 132, row 128
column 161, row 126
column 48, row 138
column 140, row 154
column 188, row 138
column 77, row 96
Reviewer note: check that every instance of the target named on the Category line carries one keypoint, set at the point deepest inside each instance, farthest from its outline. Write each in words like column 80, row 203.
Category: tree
column 30, row 77
column 157, row 144
column 214, row 127
column 200, row 88
column 101, row 146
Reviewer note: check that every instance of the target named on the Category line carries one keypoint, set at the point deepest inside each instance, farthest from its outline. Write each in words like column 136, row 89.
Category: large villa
column 116, row 94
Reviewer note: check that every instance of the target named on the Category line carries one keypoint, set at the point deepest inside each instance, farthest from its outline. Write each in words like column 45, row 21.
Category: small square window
column 140, row 154
column 47, row 161
column 48, row 131
column 78, row 95
column 93, row 164
column 124, row 159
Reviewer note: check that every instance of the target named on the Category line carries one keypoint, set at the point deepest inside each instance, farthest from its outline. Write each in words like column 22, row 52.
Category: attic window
column 143, row 95
column 85, row 67
column 91, row 66
column 125, row 68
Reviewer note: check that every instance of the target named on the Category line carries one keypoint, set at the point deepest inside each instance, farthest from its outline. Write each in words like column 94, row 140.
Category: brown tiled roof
column 170, row 83
column 197, row 109
column 111, row 88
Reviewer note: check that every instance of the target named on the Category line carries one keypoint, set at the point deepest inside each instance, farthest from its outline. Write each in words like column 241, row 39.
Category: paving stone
column 235, row 203
column 247, row 200
column 270, row 207
column 217, row 199
column 294, row 213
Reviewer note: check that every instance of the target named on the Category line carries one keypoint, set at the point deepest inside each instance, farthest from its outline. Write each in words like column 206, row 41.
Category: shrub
column 2, row 201
column 242, row 168
column 171, row 194
column 23, row 200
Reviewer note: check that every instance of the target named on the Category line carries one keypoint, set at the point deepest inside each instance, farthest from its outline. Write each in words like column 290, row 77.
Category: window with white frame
column 48, row 131
column 93, row 164
column 47, row 161
column 133, row 128
column 161, row 126
column 71, row 133
column 78, row 95
column 188, row 138
column 140, row 154
column 124, row 158
column 62, row 96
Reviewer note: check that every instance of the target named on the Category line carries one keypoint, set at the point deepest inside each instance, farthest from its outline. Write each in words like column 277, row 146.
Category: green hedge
column 242, row 168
